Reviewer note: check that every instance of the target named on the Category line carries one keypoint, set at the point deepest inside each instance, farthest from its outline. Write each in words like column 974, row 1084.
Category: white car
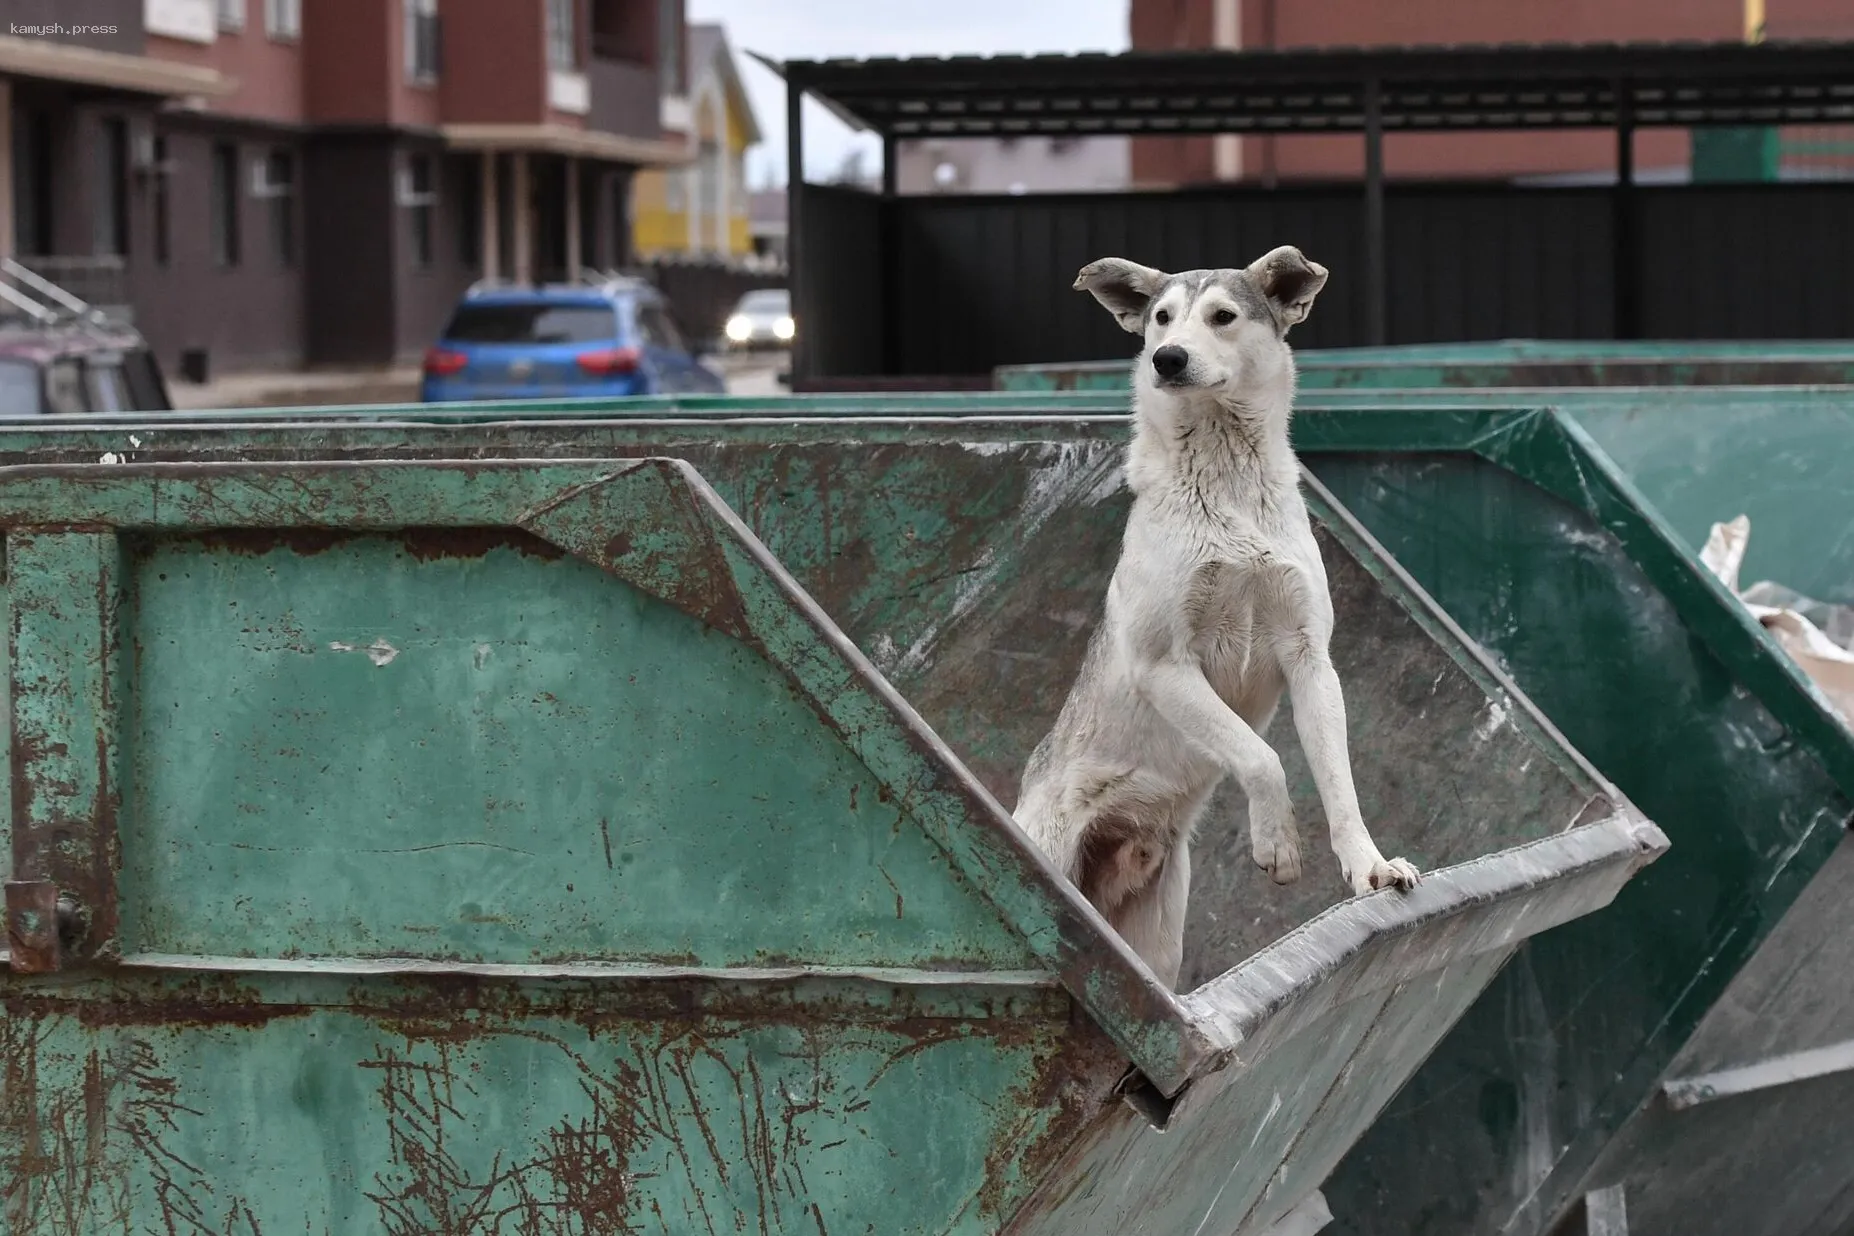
column 762, row 319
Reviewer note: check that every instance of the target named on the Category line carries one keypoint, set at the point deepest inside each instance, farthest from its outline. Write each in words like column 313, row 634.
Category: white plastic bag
column 1828, row 665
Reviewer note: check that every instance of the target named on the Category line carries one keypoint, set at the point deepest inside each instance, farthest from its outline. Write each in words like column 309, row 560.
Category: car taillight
column 608, row 361
column 442, row 364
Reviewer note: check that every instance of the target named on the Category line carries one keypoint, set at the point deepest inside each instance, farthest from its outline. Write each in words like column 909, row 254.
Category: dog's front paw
column 1384, row 873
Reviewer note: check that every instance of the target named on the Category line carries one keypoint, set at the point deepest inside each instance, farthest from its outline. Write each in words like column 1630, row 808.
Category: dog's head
column 1220, row 330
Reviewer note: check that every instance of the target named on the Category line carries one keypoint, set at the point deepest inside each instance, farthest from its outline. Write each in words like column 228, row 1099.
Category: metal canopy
column 1420, row 89
column 1619, row 86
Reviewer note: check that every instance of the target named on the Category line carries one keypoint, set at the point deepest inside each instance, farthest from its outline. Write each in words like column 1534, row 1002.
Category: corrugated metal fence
column 975, row 282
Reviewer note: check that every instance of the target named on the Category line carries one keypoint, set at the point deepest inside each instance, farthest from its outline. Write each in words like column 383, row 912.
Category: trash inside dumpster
column 1825, row 659
column 511, row 846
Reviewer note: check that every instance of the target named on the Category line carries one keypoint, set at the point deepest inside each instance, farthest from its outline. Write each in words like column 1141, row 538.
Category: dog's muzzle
column 1170, row 363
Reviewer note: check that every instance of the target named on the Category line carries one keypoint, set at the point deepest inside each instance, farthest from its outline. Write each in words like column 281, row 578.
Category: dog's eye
column 1222, row 317
column 1162, row 316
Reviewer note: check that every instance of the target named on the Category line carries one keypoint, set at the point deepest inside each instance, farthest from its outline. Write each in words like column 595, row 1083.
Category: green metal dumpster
column 1701, row 456
column 1521, row 362
column 1686, row 1046
column 423, row 829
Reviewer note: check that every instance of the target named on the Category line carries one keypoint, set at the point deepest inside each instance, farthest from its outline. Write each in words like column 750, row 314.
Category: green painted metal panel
column 1541, row 1074
column 65, row 730
column 322, row 1102
column 1551, row 555
column 328, row 744
column 1701, row 457
column 509, row 1080
column 1507, row 363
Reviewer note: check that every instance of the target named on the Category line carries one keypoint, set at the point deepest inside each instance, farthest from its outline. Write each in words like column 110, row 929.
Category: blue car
column 578, row 341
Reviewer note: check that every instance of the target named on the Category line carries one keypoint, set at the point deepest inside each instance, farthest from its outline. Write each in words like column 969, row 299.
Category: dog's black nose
column 1169, row 362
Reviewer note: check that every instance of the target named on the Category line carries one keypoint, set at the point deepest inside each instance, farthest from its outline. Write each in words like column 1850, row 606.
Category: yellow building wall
column 658, row 228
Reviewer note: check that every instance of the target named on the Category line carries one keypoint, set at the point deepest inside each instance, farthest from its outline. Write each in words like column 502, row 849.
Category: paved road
column 755, row 374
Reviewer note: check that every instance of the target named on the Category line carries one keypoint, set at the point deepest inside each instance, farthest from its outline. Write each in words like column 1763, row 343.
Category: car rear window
column 19, row 389
column 535, row 323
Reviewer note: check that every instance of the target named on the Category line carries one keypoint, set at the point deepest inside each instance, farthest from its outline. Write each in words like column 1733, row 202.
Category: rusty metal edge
column 367, row 967
column 1236, row 1004
column 32, row 927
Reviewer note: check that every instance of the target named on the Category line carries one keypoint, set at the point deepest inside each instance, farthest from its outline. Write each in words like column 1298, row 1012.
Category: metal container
column 1513, row 362
column 411, row 833
column 1560, row 528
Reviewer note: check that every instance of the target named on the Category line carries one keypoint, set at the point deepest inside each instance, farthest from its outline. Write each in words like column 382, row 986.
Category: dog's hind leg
column 1152, row 920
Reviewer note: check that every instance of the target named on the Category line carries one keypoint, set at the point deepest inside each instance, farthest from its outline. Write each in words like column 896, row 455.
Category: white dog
column 1218, row 603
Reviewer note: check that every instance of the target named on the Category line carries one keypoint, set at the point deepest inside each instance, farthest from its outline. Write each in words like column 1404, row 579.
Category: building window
column 416, row 196
column 231, row 14
column 283, row 19
column 163, row 210
column 421, row 36
column 224, row 214
column 278, row 187
column 672, row 70
column 561, row 50
column 109, row 219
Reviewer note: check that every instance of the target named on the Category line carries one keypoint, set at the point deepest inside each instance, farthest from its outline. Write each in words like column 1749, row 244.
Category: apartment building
column 1660, row 154
column 701, row 210
column 270, row 183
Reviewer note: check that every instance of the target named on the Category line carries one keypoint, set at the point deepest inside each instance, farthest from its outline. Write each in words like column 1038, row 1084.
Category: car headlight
column 738, row 328
column 784, row 328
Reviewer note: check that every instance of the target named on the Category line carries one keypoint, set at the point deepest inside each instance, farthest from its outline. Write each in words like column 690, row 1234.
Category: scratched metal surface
column 314, row 733
column 420, row 1040
column 1546, row 559
column 1563, row 1056
column 1686, row 1169
column 1320, row 1058
column 302, row 1101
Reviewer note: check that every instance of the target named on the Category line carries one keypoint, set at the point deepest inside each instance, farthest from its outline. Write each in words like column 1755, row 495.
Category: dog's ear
column 1290, row 282
column 1124, row 287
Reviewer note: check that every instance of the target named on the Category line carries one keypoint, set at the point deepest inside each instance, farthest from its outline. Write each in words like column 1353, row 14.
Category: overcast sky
column 819, row 29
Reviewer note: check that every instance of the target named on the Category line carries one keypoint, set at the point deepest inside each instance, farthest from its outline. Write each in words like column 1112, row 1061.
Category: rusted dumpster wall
column 501, row 846
column 1544, row 552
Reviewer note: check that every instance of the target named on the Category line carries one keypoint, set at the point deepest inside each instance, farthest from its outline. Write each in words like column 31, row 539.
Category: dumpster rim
column 1239, row 1001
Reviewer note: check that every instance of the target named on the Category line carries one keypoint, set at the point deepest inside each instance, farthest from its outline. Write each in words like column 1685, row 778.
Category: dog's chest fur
column 1224, row 503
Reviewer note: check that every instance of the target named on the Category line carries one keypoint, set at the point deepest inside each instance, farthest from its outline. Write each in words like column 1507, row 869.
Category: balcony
column 626, row 98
